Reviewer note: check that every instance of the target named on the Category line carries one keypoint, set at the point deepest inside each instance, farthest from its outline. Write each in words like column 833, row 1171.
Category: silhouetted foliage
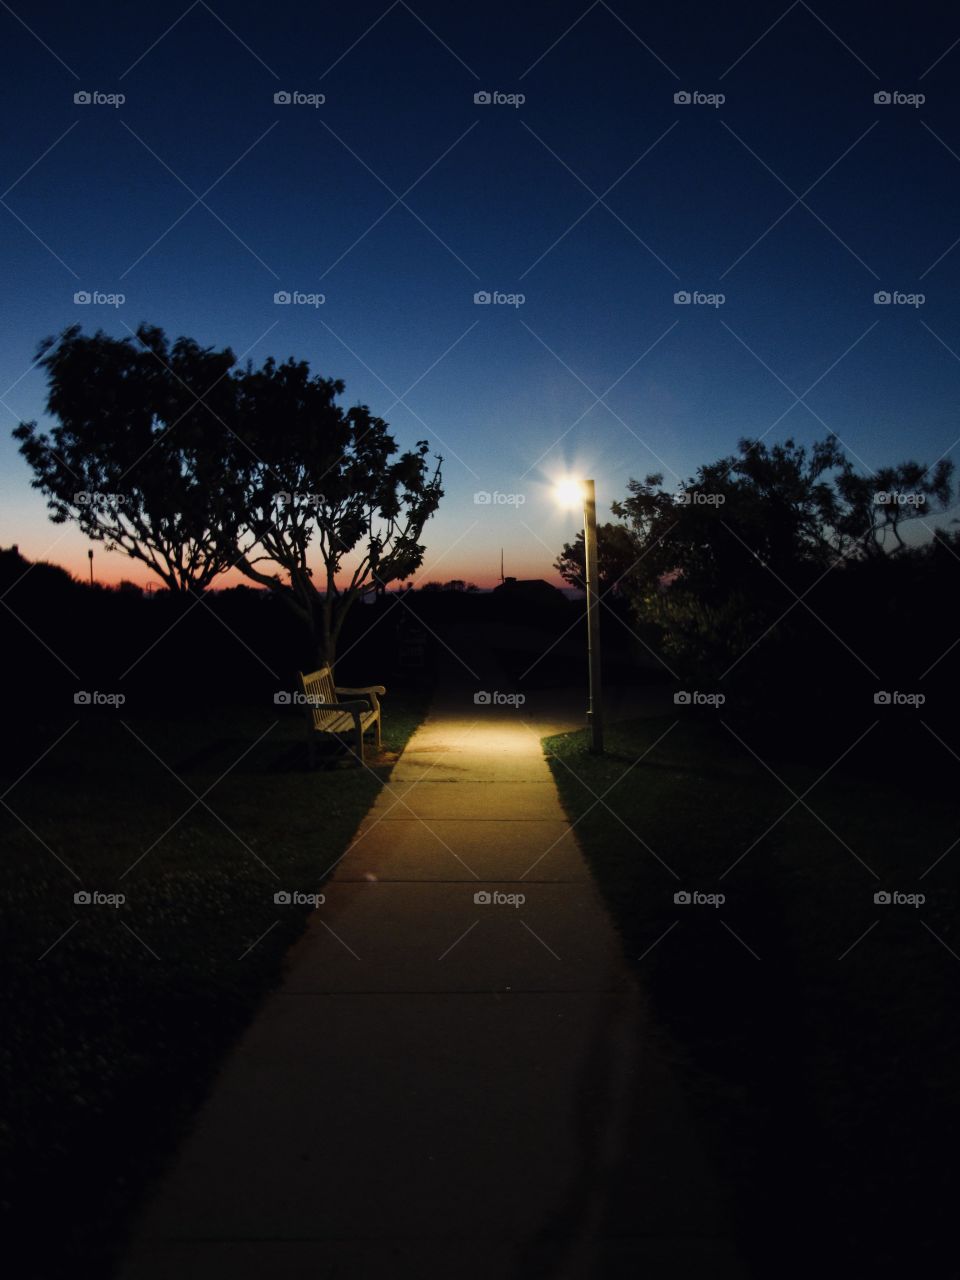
column 766, row 553
column 616, row 556
column 192, row 466
column 317, row 477
column 455, row 584
column 136, row 457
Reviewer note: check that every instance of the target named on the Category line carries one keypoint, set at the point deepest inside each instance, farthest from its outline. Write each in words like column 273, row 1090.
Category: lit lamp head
column 570, row 494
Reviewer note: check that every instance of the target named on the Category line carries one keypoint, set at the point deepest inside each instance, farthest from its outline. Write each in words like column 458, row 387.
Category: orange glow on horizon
column 112, row 568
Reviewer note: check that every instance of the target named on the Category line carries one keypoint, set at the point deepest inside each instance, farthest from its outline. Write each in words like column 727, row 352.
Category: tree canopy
column 717, row 563
column 317, row 477
column 135, row 457
column 192, row 465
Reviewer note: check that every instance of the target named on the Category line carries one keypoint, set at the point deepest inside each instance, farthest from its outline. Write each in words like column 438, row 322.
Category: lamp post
column 90, row 555
column 569, row 493
column 595, row 710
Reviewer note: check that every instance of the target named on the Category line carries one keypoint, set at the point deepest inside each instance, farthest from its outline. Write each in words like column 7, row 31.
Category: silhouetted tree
column 318, row 477
column 883, row 502
column 719, row 562
column 191, row 466
column 455, row 584
column 616, row 556
column 135, row 457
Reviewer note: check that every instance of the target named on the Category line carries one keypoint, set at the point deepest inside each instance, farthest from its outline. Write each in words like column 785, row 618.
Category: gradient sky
column 597, row 199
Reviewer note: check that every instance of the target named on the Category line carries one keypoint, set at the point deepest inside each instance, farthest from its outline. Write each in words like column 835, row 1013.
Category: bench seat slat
column 340, row 721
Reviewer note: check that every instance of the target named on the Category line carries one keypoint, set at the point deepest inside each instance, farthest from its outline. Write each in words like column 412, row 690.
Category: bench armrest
column 370, row 692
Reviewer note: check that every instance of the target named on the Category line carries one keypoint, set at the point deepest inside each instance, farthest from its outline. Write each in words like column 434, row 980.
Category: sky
column 781, row 197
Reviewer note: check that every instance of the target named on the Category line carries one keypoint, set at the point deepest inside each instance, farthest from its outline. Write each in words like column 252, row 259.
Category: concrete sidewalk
column 444, row 1086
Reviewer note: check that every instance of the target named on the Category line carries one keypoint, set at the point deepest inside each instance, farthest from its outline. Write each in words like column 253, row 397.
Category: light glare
column 570, row 493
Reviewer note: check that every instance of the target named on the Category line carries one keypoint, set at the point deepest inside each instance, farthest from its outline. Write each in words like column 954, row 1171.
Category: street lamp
column 571, row 493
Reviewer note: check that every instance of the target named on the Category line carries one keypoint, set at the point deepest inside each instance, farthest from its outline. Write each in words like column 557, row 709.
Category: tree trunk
column 322, row 640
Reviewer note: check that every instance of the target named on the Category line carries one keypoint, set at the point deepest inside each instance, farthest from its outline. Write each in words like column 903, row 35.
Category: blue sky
column 597, row 199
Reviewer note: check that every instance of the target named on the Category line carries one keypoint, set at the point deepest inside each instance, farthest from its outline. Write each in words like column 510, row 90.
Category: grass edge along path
column 117, row 1018
column 816, row 1048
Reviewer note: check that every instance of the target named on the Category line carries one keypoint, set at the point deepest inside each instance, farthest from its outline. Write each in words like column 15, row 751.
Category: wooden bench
column 327, row 712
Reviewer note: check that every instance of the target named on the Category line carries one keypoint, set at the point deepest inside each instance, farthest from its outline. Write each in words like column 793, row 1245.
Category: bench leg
column 378, row 731
column 359, row 741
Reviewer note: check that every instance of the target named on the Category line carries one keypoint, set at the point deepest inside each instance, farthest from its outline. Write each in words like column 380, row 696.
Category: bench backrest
column 317, row 687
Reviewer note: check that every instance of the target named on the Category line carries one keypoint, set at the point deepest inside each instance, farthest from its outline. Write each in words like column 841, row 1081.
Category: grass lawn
column 116, row 1016
column 813, row 1030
